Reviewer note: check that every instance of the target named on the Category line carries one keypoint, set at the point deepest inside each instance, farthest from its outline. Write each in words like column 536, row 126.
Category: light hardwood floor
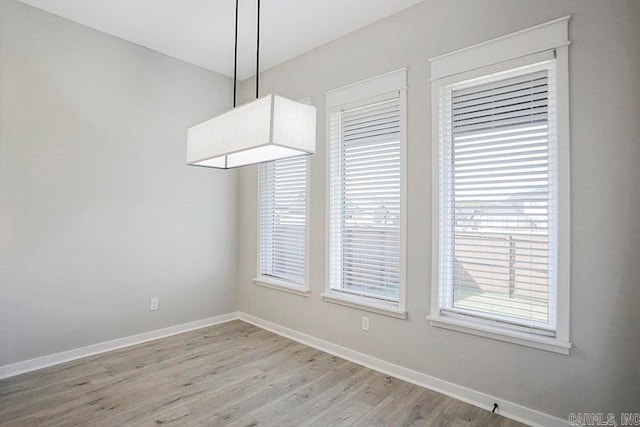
column 230, row 374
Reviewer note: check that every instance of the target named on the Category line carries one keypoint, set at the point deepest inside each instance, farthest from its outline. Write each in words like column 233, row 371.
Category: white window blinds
column 498, row 199
column 365, row 199
column 283, row 199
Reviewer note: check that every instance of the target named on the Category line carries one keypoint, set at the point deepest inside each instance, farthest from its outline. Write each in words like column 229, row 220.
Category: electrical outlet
column 365, row 323
column 154, row 304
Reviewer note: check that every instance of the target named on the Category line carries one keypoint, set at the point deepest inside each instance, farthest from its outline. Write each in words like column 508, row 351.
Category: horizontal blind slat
column 497, row 197
column 364, row 200
column 282, row 219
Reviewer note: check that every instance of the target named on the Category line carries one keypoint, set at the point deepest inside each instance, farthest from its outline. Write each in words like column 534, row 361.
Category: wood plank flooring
column 232, row 374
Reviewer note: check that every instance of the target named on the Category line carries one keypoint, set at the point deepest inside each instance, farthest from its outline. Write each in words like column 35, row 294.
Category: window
column 282, row 225
column 366, row 154
column 501, row 151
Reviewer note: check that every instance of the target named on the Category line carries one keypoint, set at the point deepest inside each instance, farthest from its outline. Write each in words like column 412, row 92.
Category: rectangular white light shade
column 269, row 128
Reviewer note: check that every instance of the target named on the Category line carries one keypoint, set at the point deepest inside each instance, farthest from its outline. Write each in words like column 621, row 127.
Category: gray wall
column 601, row 374
column 98, row 211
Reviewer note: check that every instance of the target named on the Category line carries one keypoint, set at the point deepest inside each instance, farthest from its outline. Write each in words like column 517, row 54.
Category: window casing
column 501, row 185
column 282, row 223
column 366, row 144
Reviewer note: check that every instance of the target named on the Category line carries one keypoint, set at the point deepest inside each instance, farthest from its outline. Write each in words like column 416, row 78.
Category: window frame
column 498, row 55
column 362, row 93
column 279, row 284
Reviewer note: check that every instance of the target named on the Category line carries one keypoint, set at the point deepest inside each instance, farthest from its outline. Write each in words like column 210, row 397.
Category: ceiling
column 201, row 31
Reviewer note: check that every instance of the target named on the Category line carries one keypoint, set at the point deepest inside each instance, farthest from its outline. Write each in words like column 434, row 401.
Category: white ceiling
column 201, row 31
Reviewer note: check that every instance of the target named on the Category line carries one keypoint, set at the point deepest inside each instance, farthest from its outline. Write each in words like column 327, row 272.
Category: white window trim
column 539, row 38
column 482, row 59
column 500, row 334
column 301, row 289
column 366, row 304
column 282, row 285
column 363, row 92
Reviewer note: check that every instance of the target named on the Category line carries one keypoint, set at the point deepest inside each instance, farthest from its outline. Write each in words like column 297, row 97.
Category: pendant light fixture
column 266, row 129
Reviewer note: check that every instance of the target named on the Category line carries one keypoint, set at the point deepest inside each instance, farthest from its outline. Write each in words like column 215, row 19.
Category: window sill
column 366, row 304
column 283, row 286
column 501, row 334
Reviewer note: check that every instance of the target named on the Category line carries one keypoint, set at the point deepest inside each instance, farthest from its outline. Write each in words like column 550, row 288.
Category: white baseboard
column 507, row 409
column 90, row 350
column 482, row 400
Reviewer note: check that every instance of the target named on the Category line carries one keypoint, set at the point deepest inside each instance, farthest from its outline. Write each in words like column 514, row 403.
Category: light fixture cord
column 235, row 58
column 258, row 51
